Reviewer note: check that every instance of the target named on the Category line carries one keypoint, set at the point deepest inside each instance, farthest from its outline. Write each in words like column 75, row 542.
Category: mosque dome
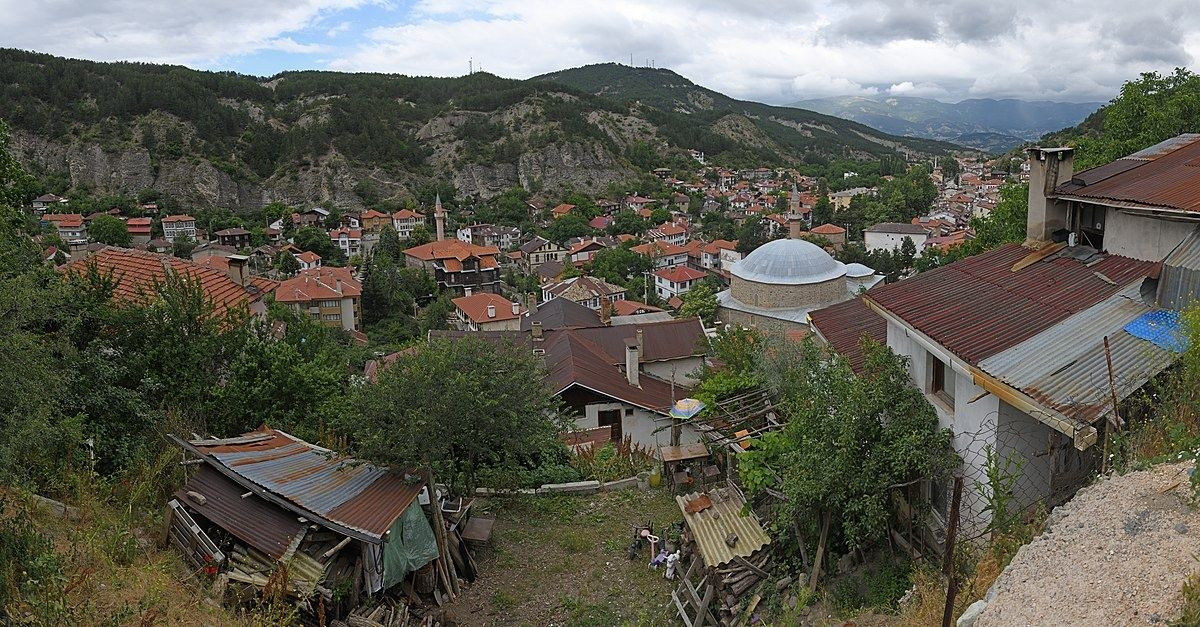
column 788, row 262
column 858, row 271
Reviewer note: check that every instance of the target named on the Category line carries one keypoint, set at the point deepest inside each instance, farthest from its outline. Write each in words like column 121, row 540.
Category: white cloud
column 777, row 51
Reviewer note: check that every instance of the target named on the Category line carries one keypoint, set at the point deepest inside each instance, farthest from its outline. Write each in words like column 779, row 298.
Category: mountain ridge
column 987, row 118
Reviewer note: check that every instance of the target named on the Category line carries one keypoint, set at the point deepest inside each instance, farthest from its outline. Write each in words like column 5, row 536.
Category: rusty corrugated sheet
column 710, row 531
column 1164, row 175
column 262, row 525
column 1064, row 367
column 843, row 326
column 978, row 306
column 358, row 495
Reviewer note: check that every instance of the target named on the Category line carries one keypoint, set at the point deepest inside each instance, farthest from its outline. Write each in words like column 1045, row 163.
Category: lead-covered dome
column 788, row 262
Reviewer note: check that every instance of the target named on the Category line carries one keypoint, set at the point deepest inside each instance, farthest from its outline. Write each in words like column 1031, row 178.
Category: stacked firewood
column 736, row 579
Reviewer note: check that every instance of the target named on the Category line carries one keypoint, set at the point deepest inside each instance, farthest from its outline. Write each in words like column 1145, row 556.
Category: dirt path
column 562, row 561
column 1116, row 554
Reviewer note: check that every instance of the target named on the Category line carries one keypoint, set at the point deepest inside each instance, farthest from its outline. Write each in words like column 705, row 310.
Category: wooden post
column 439, row 533
column 948, row 563
column 1115, row 420
column 816, row 571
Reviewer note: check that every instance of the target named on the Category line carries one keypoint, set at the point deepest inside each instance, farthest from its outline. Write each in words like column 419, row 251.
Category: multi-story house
column 487, row 312
column 502, row 237
column 236, row 237
column 330, row 295
column 676, row 281
column 349, row 240
column 540, row 250
column 404, row 221
column 69, row 226
column 374, row 221
column 458, row 266
column 663, row 254
column 588, row 291
column 669, row 233
column 177, row 226
column 139, row 230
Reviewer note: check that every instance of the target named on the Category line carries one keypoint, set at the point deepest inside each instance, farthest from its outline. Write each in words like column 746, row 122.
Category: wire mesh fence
column 1012, row 466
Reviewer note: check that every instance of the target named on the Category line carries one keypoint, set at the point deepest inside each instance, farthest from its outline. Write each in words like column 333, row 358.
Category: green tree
column 1153, row 108
column 458, row 405
column 752, row 234
column 389, row 244
column 110, row 230
column 313, row 239
column 849, row 441
column 418, row 237
column 286, row 263
column 566, row 227
column 619, row 265
column 627, row 222
column 183, row 246
column 700, row 301
column 660, row 215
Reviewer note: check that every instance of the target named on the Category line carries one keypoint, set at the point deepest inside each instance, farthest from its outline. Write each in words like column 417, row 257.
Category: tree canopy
column 110, row 230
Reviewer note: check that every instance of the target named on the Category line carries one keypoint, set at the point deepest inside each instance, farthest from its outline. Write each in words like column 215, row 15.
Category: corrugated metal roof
column 1164, row 175
column 1064, row 367
column 978, row 307
column 710, row 531
column 843, row 326
column 1179, row 281
column 348, row 492
column 262, row 525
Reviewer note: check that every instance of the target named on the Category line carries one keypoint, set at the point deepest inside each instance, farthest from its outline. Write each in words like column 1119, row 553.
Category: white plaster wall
column 1140, row 237
column 640, row 426
column 680, row 369
column 892, row 241
column 346, row 305
column 1021, row 436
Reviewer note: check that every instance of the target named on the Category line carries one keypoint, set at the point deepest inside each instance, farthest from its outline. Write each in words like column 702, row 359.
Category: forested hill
column 228, row 140
column 789, row 128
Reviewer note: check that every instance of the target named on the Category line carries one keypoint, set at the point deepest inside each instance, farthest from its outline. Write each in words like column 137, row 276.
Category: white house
column 891, row 235
column 676, row 281
column 349, row 240
column 178, row 225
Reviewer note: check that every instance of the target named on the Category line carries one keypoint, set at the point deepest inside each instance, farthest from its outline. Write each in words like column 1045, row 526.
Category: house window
column 332, row 316
column 329, row 303
column 941, row 380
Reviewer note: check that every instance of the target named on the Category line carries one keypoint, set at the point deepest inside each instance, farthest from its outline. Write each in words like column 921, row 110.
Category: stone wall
column 775, row 296
column 762, row 323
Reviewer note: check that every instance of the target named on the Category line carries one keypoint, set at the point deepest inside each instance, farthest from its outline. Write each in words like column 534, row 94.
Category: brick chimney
column 237, row 271
column 532, row 301
column 1048, row 168
column 535, row 330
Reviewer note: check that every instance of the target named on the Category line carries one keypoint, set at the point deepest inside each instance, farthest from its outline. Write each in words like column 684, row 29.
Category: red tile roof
column 843, row 325
column 349, row 233
column 451, row 249
column 828, row 229
column 978, row 306
column 59, row 217
column 562, row 210
column 323, row 283
column 659, row 248
column 475, row 307
column 680, row 274
column 308, row 256
column 405, row 214
column 632, row 307
column 179, row 218
column 139, row 273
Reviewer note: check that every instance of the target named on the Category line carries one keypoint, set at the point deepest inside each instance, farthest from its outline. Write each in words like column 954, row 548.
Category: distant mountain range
column 983, row 123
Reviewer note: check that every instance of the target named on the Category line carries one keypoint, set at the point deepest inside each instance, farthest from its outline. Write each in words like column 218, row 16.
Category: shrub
column 611, row 462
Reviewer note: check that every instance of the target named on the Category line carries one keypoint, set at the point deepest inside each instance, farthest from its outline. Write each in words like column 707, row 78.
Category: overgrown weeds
column 613, row 461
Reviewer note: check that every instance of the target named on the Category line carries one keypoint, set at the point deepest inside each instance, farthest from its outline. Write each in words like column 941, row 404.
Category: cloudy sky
column 775, row 51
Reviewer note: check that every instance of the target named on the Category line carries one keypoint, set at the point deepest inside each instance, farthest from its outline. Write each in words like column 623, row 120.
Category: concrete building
column 177, row 226
column 676, row 281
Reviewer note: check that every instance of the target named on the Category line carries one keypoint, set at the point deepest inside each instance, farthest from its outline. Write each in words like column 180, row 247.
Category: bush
column 31, row 573
column 609, row 462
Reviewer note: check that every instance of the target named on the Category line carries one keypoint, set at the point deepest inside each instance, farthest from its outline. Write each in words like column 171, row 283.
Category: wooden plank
column 244, row 439
column 683, row 615
column 1038, row 255
column 744, row 562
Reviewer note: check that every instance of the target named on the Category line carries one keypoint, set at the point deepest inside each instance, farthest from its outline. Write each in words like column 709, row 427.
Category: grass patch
column 503, row 601
column 574, row 542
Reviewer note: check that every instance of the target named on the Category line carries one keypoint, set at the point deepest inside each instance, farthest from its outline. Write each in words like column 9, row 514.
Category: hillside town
column 597, row 345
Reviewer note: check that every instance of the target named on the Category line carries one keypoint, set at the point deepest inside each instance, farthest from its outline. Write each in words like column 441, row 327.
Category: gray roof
column 788, row 262
column 897, row 227
column 1064, row 366
column 858, row 270
column 1179, row 284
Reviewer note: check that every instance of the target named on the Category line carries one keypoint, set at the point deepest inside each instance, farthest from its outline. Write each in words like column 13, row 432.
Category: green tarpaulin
column 410, row 544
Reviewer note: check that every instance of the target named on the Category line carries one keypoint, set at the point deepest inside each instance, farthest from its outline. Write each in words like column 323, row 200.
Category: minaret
column 439, row 218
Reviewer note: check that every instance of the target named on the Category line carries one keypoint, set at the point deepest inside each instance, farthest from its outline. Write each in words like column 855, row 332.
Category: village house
column 539, row 250
column 663, row 254
column 313, row 216
column 487, row 312
column 591, row 292
column 329, row 295
column 69, row 226
column 669, row 233
column 458, row 266
column 347, row 239
column 502, row 237
column 236, row 237
column 561, row 211
column 1013, row 346
column 46, row 202
column 637, row 203
column 583, row 251
column 676, row 281
column 139, row 230
column 405, row 220
column 841, row 200
column 308, row 260
column 177, row 226
column 140, row 274
column 890, row 236
column 374, row 221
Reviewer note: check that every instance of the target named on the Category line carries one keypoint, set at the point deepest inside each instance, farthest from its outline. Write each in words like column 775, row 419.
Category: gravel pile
column 1116, row 554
